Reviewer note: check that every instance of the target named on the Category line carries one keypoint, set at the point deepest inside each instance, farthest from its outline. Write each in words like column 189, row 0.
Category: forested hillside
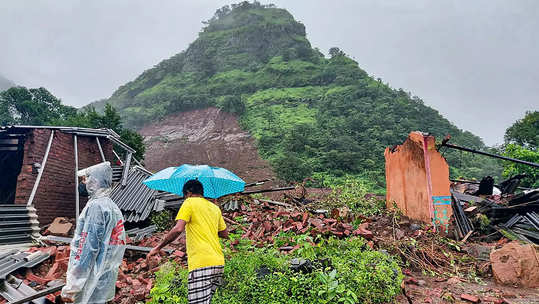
column 312, row 115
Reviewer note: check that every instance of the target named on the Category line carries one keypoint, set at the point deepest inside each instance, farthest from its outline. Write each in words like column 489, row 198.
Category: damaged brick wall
column 55, row 195
column 417, row 179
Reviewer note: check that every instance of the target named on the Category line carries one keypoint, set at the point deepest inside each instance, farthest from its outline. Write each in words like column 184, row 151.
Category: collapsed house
column 417, row 179
column 38, row 165
column 418, row 183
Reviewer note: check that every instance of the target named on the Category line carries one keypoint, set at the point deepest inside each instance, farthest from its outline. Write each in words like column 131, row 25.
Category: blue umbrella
column 217, row 182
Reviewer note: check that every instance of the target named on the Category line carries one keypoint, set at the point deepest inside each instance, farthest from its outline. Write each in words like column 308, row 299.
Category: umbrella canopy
column 217, row 182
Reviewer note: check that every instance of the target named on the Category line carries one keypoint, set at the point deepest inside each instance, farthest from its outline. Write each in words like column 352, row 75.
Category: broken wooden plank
column 467, row 236
column 470, row 209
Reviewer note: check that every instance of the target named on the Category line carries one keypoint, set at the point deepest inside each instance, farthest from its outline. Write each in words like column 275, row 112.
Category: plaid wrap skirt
column 202, row 284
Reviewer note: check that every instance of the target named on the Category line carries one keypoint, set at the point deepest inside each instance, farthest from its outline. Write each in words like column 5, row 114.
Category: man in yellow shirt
column 203, row 225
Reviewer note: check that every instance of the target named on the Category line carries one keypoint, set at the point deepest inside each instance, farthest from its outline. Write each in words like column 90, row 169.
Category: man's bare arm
column 173, row 234
column 223, row 234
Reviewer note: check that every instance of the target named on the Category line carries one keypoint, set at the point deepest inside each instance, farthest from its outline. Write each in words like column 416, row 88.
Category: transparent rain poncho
column 98, row 245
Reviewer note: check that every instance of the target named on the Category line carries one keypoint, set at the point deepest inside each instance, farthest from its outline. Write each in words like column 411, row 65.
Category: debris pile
column 267, row 223
column 493, row 216
column 41, row 268
column 266, row 219
column 24, row 274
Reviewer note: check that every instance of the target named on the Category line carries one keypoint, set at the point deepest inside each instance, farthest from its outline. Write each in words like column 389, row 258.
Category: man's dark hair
column 194, row 187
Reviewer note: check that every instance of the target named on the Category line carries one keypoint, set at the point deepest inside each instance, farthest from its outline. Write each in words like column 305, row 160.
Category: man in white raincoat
column 98, row 245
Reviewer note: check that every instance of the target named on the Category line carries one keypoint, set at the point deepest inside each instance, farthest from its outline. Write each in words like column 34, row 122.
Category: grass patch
column 341, row 271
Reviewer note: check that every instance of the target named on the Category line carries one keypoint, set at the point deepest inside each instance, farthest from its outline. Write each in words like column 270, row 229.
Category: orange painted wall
column 417, row 179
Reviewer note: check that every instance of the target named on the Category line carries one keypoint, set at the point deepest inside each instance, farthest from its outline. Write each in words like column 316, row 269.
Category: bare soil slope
column 206, row 136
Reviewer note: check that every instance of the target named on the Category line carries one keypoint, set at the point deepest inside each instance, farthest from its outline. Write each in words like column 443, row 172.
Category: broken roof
column 135, row 199
column 106, row 133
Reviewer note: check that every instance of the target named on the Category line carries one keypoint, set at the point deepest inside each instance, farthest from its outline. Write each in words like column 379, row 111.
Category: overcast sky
column 477, row 62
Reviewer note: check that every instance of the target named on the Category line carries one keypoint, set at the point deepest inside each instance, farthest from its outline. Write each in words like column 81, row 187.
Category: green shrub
column 344, row 271
column 353, row 193
column 163, row 220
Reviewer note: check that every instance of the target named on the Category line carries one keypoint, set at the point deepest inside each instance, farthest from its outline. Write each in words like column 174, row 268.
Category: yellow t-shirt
column 204, row 221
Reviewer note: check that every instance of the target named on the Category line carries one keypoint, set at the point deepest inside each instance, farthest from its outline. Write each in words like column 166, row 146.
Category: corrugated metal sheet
column 167, row 200
column 108, row 133
column 137, row 234
column 13, row 289
column 18, row 223
column 14, row 260
column 17, row 292
column 135, row 199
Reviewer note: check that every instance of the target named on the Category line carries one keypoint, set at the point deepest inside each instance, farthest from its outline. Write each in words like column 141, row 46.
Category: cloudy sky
column 477, row 62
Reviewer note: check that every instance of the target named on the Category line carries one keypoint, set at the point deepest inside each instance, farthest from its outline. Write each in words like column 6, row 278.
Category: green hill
column 311, row 115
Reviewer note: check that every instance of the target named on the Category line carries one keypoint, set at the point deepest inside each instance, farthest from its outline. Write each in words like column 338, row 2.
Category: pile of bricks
column 48, row 273
column 266, row 221
column 260, row 222
column 135, row 277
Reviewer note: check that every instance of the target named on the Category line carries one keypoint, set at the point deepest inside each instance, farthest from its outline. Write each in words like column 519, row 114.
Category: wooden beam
column 41, row 169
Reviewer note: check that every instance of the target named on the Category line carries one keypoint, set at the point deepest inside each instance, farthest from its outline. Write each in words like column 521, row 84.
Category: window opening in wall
column 11, row 158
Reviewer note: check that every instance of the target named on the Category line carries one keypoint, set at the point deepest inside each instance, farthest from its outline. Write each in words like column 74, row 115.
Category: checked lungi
column 202, row 283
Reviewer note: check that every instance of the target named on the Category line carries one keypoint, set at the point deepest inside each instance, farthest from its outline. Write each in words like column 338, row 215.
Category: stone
column 509, row 295
column 470, row 298
column 414, row 227
column 516, row 264
column 490, row 299
column 479, row 251
column 453, row 280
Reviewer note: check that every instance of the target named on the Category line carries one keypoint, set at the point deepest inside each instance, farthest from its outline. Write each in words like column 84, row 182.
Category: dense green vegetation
column 22, row 106
column 311, row 115
column 522, row 142
column 525, row 132
column 345, row 271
